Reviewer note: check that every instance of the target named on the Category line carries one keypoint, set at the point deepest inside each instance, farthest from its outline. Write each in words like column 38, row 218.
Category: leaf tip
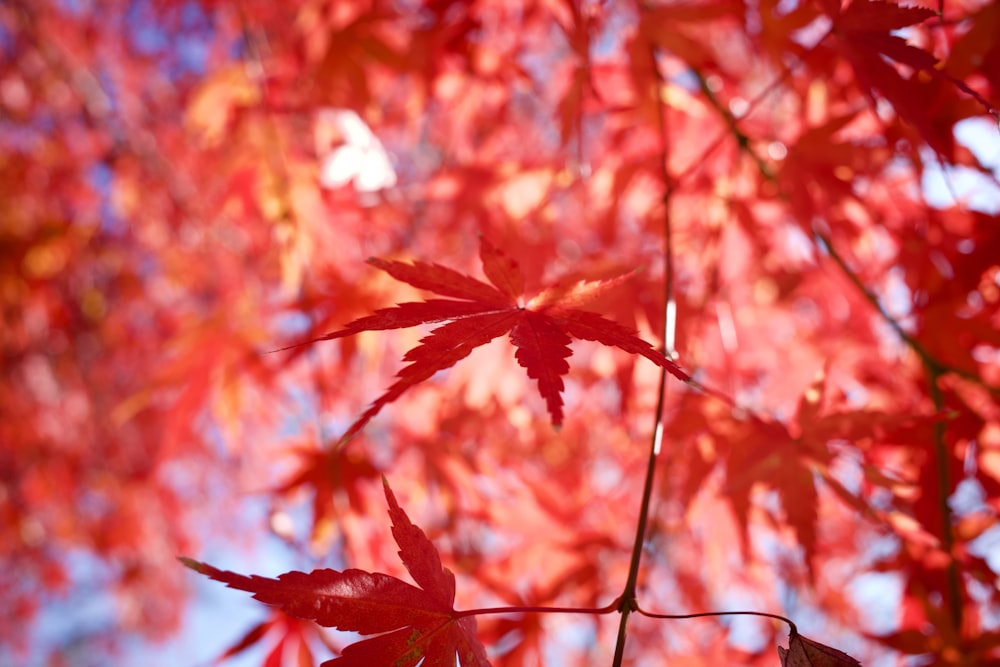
column 192, row 564
column 390, row 497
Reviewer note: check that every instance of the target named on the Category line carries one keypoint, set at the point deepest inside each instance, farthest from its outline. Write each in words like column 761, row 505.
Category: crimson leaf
column 804, row 652
column 540, row 327
column 412, row 623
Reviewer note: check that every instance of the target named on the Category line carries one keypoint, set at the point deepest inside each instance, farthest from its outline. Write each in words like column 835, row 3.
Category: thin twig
column 935, row 370
column 702, row 158
column 627, row 602
column 607, row 609
column 705, row 614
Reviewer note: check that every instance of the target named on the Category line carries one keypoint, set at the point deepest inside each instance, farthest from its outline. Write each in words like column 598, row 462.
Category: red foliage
column 540, row 327
column 414, row 625
column 753, row 187
column 804, row 652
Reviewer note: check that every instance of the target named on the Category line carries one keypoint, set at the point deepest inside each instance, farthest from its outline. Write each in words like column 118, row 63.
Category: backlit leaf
column 414, row 625
column 804, row 652
column 541, row 330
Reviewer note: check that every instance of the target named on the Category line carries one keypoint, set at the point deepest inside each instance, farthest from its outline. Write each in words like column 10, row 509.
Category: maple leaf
column 540, row 327
column 804, row 652
column 865, row 29
column 292, row 636
column 326, row 474
column 413, row 624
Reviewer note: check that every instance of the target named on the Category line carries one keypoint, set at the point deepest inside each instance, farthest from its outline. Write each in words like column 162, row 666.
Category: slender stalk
column 705, row 614
column 702, row 159
column 934, row 370
column 742, row 140
column 944, row 484
column 933, row 366
column 607, row 609
column 627, row 601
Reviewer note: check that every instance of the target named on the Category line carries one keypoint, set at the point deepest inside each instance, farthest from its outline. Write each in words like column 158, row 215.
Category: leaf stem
column 705, row 614
column 607, row 609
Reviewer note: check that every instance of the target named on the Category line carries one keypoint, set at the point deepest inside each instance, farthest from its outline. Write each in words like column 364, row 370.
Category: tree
column 186, row 187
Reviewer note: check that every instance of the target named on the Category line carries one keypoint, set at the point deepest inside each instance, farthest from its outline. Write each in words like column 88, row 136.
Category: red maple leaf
column 326, row 474
column 865, row 29
column 804, row 652
column 290, row 635
column 540, row 327
column 413, row 624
